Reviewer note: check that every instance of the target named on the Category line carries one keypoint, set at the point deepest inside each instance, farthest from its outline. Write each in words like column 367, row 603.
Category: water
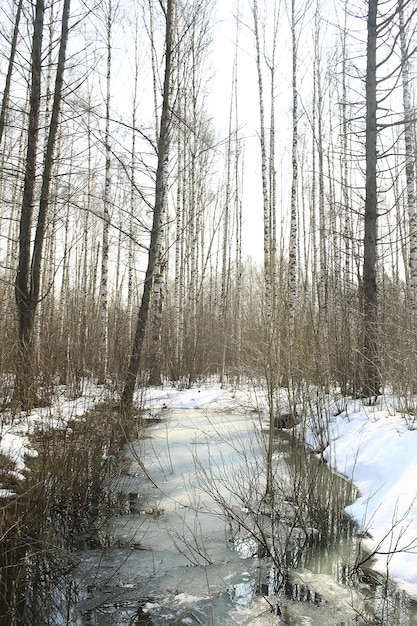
column 197, row 542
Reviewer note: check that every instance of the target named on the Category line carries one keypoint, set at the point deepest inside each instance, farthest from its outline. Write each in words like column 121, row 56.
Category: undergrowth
column 63, row 502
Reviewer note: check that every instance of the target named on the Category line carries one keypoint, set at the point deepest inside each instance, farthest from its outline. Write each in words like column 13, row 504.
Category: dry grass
column 63, row 502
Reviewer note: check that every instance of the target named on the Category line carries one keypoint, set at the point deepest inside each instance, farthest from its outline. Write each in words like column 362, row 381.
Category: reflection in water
column 242, row 593
column 35, row 582
column 216, row 553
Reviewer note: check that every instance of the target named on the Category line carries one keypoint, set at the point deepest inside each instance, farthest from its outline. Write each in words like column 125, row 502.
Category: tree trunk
column 133, row 200
column 28, row 277
column 155, row 365
column 269, row 364
column 104, row 279
column 225, row 282
column 160, row 200
column 292, row 254
column 265, row 178
column 371, row 372
column 155, row 356
column 409, row 170
column 6, row 90
column 25, row 309
column 179, row 254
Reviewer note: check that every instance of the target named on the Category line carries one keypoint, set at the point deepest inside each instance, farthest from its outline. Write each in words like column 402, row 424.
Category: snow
column 375, row 446
column 14, row 429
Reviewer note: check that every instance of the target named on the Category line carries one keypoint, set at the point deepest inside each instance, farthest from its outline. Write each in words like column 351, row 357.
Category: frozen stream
column 196, row 543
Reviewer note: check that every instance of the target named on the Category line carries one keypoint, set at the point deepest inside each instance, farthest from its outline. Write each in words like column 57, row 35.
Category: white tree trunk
column 409, row 125
column 103, row 348
column 292, row 254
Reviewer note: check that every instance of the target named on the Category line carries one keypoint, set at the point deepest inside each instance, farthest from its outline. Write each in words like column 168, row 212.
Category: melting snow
column 375, row 446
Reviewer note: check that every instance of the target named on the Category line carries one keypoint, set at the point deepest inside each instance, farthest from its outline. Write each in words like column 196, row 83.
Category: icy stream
column 196, row 542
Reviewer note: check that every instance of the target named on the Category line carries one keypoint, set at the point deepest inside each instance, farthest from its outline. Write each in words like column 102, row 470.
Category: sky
column 375, row 446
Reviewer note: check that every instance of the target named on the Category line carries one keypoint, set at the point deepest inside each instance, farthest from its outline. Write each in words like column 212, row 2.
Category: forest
column 148, row 232
column 195, row 192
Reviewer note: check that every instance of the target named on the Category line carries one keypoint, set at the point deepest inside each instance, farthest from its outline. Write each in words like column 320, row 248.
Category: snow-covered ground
column 375, row 446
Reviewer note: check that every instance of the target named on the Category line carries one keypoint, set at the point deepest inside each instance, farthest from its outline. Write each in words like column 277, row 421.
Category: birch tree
column 103, row 348
column 264, row 169
column 323, row 273
column 267, row 269
column 410, row 160
column 225, row 281
column 292, row 252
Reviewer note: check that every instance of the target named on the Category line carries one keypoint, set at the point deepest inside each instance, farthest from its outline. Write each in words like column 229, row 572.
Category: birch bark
column 410, row 173
column 269, row 365
column 104, row 279
column 292, row 253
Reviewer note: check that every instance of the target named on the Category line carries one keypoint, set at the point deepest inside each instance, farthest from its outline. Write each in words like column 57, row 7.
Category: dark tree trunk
column 6, row 91
column 160, row 199
column 372, row 370
column 27, row 286
column 24, row 391
column 49, row 158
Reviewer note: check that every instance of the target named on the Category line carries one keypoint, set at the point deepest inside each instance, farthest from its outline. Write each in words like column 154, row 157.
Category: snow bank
column 376, row 447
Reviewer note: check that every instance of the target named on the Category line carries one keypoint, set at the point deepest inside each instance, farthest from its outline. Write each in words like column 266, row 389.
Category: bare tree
column 410, row 172
column 104, row 297
column 372, row 371
column 161, row 187
column 6, row 90
column 292, row 253
column 264, row 169
column 28, row 279
column 267, row 268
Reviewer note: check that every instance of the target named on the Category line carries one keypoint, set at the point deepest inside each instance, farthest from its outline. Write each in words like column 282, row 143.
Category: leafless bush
column 64, row 502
